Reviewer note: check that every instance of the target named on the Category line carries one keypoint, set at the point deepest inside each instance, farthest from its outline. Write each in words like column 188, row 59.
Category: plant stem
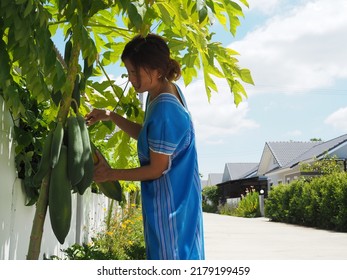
column 39, row 220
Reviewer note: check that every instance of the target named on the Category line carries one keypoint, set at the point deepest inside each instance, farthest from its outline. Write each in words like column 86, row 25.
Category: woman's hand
column 97, row 115
column 102, row 169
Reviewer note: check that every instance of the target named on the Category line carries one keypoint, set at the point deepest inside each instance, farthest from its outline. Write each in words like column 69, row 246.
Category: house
column 240, row 177
column 233, row 171
column 214, row 179
column 279, row 163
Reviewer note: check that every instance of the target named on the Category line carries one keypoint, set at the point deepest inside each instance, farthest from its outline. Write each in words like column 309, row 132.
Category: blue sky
column 296, row 51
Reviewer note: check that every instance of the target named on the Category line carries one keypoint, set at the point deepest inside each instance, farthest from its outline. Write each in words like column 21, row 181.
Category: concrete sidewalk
column 233, row 238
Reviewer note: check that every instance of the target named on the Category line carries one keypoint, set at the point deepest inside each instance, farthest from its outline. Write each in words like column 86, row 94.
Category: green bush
column 248, row 207
column 319, row 202
column 210, row 199
column 122, row 239
column 277, row 203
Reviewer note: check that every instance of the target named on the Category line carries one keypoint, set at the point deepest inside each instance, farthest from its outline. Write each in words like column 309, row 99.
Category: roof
column 319, row 150
column 214, row 179
column 285, row 152
column 234, row 171
column 276, row 155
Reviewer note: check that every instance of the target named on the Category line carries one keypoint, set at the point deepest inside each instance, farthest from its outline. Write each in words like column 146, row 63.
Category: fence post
column 261, row 203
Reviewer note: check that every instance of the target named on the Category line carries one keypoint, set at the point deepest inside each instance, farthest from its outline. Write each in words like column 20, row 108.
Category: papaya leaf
column 202, row 14
column 246, row 76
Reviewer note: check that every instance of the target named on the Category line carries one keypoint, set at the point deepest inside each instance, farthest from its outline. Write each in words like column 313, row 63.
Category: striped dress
column 171, row 204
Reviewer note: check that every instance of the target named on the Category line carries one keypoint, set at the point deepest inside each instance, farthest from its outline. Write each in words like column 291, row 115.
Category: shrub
column 319, row 202
column 210, row 199
column 248, row 207
column 276, row 205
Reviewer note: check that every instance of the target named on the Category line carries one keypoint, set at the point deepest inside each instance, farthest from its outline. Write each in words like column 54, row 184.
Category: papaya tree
column 43, row 83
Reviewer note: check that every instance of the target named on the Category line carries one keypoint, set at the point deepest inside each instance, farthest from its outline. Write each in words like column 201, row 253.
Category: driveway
column 234, row 238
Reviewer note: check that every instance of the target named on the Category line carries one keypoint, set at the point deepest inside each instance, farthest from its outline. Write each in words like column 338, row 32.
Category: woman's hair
column 152, row 52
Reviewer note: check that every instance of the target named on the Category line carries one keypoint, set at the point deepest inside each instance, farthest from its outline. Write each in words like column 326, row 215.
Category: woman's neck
column 164, row 87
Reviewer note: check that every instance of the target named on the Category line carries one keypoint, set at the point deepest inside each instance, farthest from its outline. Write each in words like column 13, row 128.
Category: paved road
column 233, row 238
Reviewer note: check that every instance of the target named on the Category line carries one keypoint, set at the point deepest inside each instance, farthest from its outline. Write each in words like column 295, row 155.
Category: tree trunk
column 39, row 221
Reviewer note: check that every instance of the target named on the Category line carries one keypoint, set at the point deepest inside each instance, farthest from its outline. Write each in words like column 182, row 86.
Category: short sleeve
column 168, row 126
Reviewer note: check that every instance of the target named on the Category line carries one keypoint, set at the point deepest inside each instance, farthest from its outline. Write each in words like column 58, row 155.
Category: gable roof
column 285, row 152
column 278, row 154
column 234, row 171
column 214, row 179
column 319, row 150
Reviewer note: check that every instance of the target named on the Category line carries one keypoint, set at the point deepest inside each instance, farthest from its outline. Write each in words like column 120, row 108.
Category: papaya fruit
column 75, row 151
column 57, row 141
column 87, row 157
column 59, row 197
column 111, row 189
column 45, row 160
column 87, row 178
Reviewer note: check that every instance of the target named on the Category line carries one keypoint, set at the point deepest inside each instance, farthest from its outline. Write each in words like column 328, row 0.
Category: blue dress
column 171, row 204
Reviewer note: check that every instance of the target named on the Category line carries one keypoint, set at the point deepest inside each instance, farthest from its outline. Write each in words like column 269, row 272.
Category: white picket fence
column 89, row 210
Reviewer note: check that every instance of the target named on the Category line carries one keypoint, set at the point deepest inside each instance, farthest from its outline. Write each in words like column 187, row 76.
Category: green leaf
column 244, row 2
column 189, row 74
column 238, row 91
column 209, row 84
column 23, row 137
column 134, row 17
column 202, row 14
column 165, row 16
column 5, row 64
column 28, row 8
column 246, row 76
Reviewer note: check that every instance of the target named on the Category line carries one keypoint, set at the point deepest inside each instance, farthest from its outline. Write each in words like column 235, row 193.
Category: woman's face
column 142, row 80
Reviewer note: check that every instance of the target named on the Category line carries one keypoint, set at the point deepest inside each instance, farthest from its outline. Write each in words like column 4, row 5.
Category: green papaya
column 57, row 141
column 87, row 158
column 112, row 190
column 45, row 161
column 75, row 151
column 87, row 149
column 87, row 178
column 59, row 198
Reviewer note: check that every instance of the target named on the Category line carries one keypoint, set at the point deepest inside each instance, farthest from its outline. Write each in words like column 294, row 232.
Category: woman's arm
column 157, row 165
column 131, row 128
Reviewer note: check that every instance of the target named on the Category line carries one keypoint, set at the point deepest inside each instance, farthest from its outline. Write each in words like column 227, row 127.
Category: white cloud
column 297, row 51
column 338, row 119
column 220, row 118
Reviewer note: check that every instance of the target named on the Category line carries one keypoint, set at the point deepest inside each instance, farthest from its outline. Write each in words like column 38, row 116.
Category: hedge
column 319, row 202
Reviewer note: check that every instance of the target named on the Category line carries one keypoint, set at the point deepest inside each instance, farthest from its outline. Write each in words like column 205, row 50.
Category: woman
column 170, row 183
